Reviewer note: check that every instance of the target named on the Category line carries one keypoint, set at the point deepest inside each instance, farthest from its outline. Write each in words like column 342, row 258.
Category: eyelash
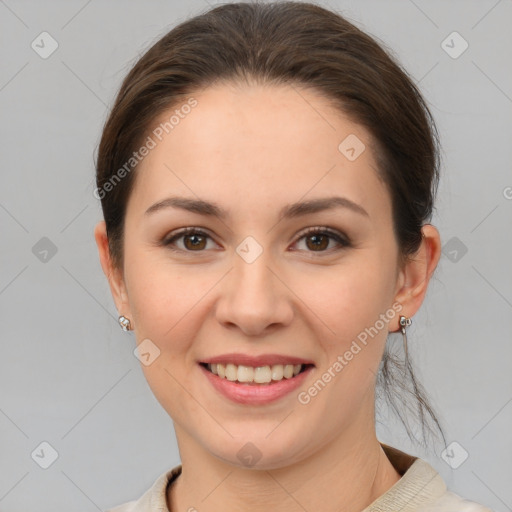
column 342, row 240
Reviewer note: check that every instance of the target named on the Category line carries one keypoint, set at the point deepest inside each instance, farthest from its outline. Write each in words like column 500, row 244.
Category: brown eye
column 194, row 240
column 318, row 239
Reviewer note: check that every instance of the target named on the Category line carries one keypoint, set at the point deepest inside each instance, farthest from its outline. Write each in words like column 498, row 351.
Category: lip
column 255, row 361
column 256, row 394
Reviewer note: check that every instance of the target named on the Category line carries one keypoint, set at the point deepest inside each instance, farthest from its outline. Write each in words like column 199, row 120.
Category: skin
column 253, row 149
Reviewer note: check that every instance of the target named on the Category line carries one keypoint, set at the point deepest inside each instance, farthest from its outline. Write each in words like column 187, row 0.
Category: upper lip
column 255, row 361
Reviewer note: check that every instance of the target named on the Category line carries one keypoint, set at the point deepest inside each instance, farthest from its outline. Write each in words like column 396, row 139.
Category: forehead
column 267, row 144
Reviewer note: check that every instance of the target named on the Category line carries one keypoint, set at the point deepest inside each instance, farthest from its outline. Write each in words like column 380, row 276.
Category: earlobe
column 417, row 271
column 114, row 275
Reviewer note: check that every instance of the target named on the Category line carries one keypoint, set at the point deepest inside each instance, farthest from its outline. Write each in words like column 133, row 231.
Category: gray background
column 68, row 375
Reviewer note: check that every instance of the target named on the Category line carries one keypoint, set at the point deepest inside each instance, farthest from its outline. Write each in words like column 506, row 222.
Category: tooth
column 288, row 371
column 259, row 375
column 277, row 372
column 245, row 373
column 231, row 372
column 262, row 374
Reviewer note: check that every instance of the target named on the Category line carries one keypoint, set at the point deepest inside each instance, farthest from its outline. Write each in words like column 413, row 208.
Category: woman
column 266, row 176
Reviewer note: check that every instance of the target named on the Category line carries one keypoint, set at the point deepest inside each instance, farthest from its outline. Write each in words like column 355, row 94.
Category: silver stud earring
column 404, row 322
column 124, row 323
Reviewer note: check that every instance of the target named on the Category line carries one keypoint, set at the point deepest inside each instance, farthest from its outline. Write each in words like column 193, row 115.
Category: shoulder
column 452, row 502
column 125, row 507
column 421, row 489
column 154, row 499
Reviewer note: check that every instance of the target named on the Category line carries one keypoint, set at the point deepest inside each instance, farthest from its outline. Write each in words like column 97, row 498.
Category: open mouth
column 256, row 375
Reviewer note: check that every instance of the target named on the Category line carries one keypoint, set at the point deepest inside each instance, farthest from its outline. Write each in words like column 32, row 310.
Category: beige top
column 421, row 489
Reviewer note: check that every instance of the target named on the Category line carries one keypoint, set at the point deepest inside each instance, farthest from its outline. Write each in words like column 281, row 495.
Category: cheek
column 160, row 293
column 349, row 297
column 351, row 303
column 166, row 306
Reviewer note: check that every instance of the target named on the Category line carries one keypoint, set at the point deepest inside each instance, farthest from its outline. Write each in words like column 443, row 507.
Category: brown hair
column 286, row 43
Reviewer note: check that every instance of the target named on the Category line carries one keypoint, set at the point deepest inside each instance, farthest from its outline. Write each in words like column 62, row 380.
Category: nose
column 254, row 297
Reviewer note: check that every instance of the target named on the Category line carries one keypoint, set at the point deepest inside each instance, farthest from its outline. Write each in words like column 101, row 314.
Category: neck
column 346, row 475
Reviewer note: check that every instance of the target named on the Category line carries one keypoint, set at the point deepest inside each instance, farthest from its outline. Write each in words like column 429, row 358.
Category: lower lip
column 254, row 394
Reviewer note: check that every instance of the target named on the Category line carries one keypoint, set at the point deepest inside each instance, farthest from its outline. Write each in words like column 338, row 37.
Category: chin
column 259, row 452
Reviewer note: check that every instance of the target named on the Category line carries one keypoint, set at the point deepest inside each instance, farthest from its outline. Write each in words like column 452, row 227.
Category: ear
column 114, row 275
column 415, row 275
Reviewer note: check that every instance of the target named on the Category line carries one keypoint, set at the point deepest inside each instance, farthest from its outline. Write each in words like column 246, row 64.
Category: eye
column 195, row 240
column 320, row 238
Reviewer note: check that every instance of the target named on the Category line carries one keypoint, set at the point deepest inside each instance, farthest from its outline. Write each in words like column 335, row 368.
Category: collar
column 420, row 484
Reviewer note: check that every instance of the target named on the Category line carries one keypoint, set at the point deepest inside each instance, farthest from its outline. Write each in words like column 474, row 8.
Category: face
column 253, row 282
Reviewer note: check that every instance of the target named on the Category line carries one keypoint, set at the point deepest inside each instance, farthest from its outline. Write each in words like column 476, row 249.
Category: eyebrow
column 289, row 211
